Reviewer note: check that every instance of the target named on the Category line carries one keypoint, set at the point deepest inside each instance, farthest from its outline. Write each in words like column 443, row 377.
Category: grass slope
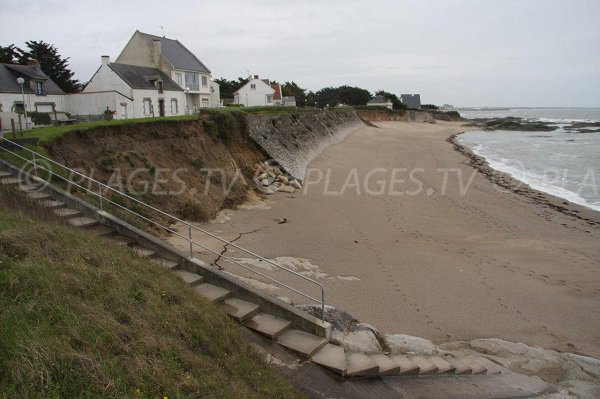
column 83, row 318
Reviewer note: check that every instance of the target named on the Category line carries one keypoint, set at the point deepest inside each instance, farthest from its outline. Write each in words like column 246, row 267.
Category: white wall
column 140, row 95
column 8, row 100
column 105, row 79
column 253, row 97
column 96, row 103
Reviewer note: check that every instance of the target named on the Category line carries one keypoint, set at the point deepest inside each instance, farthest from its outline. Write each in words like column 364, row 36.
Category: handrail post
column 34, row 164
column 322, row 304
column 190, row 236
column 100, row 196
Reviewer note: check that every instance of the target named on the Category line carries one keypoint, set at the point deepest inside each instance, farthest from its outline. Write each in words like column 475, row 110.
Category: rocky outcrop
column 295, row 139
column 513, row 124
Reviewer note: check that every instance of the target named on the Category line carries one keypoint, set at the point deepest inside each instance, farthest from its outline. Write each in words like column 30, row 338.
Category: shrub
column 40, row 118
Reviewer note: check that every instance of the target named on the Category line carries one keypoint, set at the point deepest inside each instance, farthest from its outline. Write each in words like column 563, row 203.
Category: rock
column 262, row 176
column 400, row 343
column 264, row 182
column 271, row 174
column 296, row 184
column 276, row 170
column 283, row 179
column 360, row 340
column 287, row 189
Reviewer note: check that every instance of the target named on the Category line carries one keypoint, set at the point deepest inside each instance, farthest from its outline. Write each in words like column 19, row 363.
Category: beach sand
column 432, row 262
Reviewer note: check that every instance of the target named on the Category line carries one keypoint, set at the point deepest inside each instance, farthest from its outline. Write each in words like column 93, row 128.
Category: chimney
column 105, row 60
column 32, row 61
column 255, row 76
column 156, row 52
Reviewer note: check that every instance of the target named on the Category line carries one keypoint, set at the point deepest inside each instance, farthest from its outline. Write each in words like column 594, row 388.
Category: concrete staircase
column 305, row 345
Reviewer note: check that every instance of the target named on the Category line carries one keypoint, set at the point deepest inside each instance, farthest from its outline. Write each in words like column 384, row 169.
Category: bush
column 40, row 118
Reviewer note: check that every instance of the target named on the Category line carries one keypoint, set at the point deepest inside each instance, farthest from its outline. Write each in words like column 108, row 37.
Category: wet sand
column 434, row 259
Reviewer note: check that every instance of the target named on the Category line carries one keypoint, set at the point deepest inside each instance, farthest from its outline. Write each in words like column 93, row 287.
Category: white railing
column 103, row 189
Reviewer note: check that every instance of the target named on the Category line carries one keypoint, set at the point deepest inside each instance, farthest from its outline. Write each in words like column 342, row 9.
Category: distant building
column 411, row 100
column 380, row 101
column 261, row 92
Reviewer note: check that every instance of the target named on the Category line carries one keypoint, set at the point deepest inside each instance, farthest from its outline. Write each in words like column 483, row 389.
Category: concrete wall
column 296, row 139
column 137, row 52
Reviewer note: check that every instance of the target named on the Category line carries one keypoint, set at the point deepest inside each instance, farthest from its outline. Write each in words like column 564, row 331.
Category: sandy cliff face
column 175, row 166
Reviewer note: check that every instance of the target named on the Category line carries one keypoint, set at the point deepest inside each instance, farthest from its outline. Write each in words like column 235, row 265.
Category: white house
column 179, row 63
column 380, row 101
column 129, row 91
column 40, row 92
column 261, row 92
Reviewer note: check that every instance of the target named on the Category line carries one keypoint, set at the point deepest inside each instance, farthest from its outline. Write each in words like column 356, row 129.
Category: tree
column 397, row 104
column 293, row 90
column 228, row 87
column 9, row 54
column 53, row 65
column 430, row 106
column 354, row 95
column 327, row 96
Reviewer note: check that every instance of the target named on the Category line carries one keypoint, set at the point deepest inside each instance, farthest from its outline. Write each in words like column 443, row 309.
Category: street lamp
column 21, row 81
column 187, row 100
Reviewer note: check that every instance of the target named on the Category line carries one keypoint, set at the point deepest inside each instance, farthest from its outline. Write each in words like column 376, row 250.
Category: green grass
column 49, row 134
column 83, row 318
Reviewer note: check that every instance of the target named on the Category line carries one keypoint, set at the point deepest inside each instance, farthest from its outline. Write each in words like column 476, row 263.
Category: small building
column 380, row 101
column 129, row 91
column 411, row 100
column 40, row 92
column 176, row 61
column 261, row 92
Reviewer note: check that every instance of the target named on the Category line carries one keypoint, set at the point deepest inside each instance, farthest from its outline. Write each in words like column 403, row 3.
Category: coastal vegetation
column 82, row 317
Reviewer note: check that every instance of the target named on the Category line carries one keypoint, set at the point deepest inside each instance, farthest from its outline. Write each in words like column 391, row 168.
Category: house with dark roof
column 176, row 61
column 261, row 92
column 411, row 100
column 129, row 91
column 380, row 101
column 40, row 92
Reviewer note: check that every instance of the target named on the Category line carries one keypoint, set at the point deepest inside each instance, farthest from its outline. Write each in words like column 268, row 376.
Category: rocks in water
column 270, row 178
column 400, row 343
column 513, row 124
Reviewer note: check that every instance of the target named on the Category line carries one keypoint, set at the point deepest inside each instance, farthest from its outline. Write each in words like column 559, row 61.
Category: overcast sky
column 466, row 53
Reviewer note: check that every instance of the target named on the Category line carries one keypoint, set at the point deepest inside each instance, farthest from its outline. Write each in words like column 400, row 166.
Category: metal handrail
column 101, row 196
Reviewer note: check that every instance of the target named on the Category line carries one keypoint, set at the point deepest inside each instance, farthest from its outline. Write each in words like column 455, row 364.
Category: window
column 179, row 78
column 192, row 81
column 44, row 107
column 19, row 107
column 204, row 81
column 147, row 106
column 269, row 98
column 205, row 103
column 252, row 86
column 174, row 106
column 160, row 86
column 39, row 89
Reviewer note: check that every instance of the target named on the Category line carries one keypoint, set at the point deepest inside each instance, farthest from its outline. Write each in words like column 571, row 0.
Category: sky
column 465, row 53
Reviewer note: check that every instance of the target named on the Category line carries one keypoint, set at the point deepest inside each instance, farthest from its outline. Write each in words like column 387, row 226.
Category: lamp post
column 187, row 100
column 21, row 82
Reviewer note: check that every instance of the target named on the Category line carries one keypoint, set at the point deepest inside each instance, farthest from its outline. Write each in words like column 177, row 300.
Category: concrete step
column 29, row 187
column 476, row 366
column 491, row 367
column 212, row 292
column 331, row 357
column 360, row 365
column 386, row 365
column 459, row 366
column 122, row 241
column 38, row 195
column 167, row 264
column 425, row 366
column 10, row 180
column 143, row 252
column 52, row 204
column 190, row 278
column 82, row 222
column 268, row 325
column 443, row 367
column 66, row 212
column 407, row 366
column 101, row 231
column 4, row 174
column 239, row 309
column 301, row 342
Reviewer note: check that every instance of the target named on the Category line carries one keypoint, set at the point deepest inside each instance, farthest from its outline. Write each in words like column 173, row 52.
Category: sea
column 563, row 163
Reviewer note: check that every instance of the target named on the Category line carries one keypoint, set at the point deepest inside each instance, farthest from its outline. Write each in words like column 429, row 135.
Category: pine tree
column 9, row 54
column 53, row 65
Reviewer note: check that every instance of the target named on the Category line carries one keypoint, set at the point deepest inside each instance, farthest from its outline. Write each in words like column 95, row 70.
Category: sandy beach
column 408, row 236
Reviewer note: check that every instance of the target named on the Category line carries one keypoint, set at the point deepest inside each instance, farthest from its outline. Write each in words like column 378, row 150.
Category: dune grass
column 83, row 318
